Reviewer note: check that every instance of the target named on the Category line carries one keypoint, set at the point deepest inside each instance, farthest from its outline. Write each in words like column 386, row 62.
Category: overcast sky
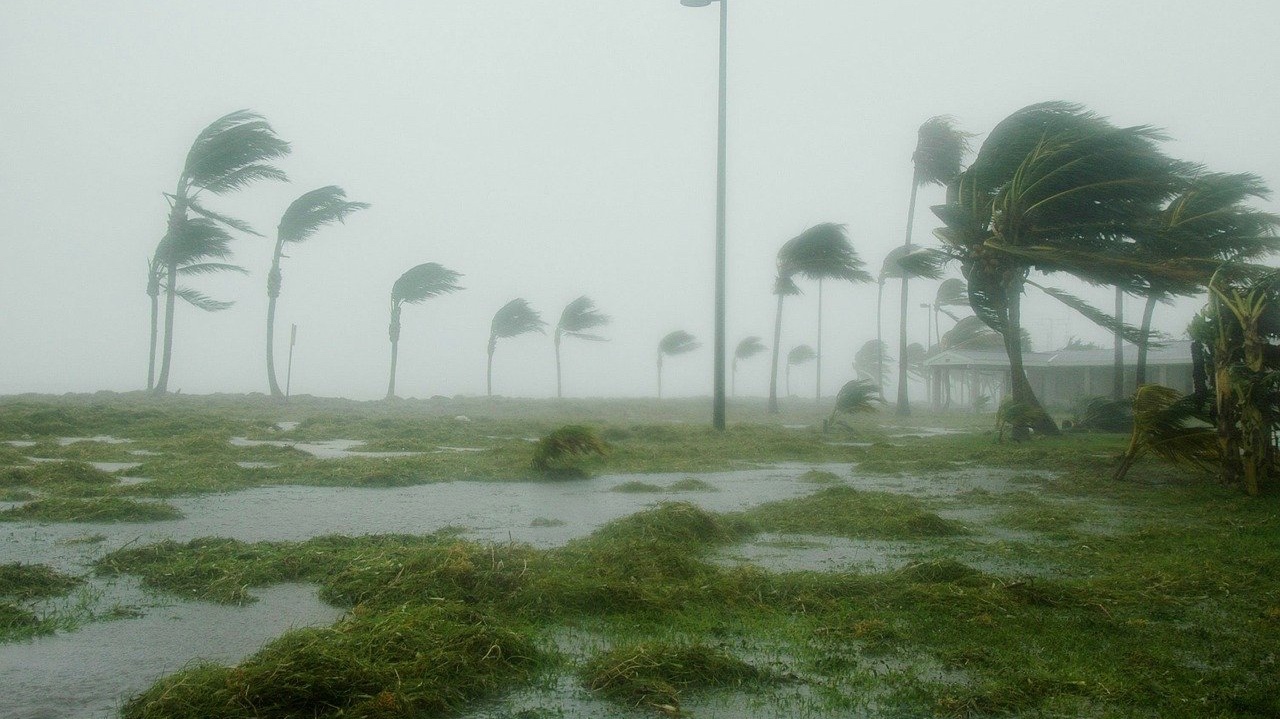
column 545, row 149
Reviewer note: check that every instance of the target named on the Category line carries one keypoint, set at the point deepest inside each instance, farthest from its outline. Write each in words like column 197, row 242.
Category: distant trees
column 233, row 152
column 577, row 320
column 511, row 320
column 674, row 343
column 749, row 347
column 301, row 220
column 903, row 263
column 868, row 362
column 417, row 285
column 800, row 354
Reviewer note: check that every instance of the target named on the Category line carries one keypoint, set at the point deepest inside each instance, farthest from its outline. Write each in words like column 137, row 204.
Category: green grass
column 34, row 581
column 848, row 512
column 98, row 509
column 658, row 674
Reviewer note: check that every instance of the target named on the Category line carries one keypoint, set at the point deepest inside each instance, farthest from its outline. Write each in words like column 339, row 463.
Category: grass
column 848, row 512
column 97, row 509
column 658, row 674
column 34, row 581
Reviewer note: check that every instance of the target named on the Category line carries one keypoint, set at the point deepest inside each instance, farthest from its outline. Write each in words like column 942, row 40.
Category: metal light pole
column 718, row 400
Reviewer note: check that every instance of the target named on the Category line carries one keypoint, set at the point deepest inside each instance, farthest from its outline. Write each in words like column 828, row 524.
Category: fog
column 546, row 149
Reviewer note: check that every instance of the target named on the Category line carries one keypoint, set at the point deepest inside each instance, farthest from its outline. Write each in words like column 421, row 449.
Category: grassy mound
column 848, row 512
column 34, row 581
column 637, row 487
column 658, row 674
column 65, row 478
column 412, row 661
column 101, row 509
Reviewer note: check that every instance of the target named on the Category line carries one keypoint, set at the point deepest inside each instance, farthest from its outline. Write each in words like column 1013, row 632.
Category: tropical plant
column 301, row 220
column 230, row 154
column 800, row 354
column 868, row 362
column 1056, row 189
column 1173, row 427
column 415, row 286
column 577, row 320
column 1075, row 344
column 940, row 150
column 511, row 320
column 749, row 347
column 951, row 293
column 558, row 451
column 674, row 343
column 857, row 396
column 821, row 252
column 902, row 263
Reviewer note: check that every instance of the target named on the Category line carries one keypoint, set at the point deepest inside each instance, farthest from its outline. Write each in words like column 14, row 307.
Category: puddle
column 446, row 450
column 110, row 467
column 256, row 465
column 87, row 674
column 331, row 449
column 130, row 481
column 287, row 426
column 929, row 432
column 144, row 453
column 20, row 443
column 103, row 438
column 801, row 552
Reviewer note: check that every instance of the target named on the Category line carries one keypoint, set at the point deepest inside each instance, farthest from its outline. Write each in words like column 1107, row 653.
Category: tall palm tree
column 578, row 318
column 511, row 320
column 798, row 355
column 903, row 263
column 674, row 343
column 1055, row 189
column 233, row 152
column 940, row 149
column 301, row 220
column 749, row 347
column 869, row 362
column 821, row 252
column 415, row 286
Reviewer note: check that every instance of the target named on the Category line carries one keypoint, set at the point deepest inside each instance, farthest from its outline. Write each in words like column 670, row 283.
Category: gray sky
column 545, row 149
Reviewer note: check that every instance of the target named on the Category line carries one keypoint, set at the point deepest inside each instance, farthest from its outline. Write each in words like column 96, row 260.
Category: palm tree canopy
column 801, row 354
column 678, row 343
column 194, row 241
column 867, row 360
column 515, row 318
column 940, row 148
column 953, row 292
column 821, row 252
column 749, row 347
column 423, row 282
column 857, row 396
column 971, row 333
column 232, row 152
column 307, row 214
column 579, row 316
column 912, row 261
column 1075, row 343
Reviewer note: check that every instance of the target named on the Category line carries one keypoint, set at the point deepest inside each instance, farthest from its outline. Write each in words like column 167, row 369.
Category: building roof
column 1174, row 352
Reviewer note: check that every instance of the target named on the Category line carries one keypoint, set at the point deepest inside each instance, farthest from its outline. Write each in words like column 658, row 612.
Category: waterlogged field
column 236, row 557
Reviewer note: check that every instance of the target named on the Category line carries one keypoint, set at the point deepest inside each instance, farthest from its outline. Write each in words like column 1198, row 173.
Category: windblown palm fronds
column 1173, row 427
column 940, row 150
column 511, row 320
column 798, row 355
column 417, row 285
column 857, row 396
column 557, row 451
column 577, row 320
column 869, row 361
column 749, row 347
column 674, row 343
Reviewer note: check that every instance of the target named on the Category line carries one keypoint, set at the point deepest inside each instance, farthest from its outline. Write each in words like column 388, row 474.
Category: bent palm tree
column 675, row 343
column 301, row 220
column 415, row 286
column 951, row 293
column 749, row 347
column 230, row 154
column 902, row 263
column 576, row 320
column 511, row 320
column 940, row 148
column 857, row 396
column 868, row 362
column 798, row 355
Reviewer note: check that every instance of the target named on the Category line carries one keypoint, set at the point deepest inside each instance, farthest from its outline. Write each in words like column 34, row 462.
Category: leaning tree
column 749, row 347
column 415, row 286
column 800, row 354
column 511, row 320
column 674, row 343
column 578, row 320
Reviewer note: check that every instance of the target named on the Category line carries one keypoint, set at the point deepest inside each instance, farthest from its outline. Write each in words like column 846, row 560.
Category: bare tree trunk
column 659, row 374
column 1021, row 389
column 559, row 387
column 904, row 404
column 273, row 293
column 171, row 294
column 733, row 378
column 788, row 379
column 393, row 331
column 1140, row 372
column 879, row 337
column 153, row 289
column 1117, row 387
column 818, row 390
column 773, row 371
column 493, row 345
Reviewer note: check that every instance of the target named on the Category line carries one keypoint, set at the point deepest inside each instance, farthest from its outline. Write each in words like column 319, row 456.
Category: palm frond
column 515, row 318
column 971, row 333
column 952, row 293
column 786, row 286
column 579, row 316
column 1131, row 334
column 232, row 152
column 315, row 209
column 940, row 150
column 912, row 261
column 1173, row 427
column 749, row 347
column 677, row 343
column 822, row 252
column 209, row 268
column 423, row 282
column 193, row 241
column 235, row 224
column 857, row 397
column 872, row 359
column 201, row 301
column 1075, row 344
column 801, row 354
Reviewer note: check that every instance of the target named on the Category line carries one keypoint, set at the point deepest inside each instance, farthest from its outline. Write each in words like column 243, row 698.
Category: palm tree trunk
column 818, row 390
column 733, row 378
column 394, row 332
column 1021, row 389
column 879, row 338
column 489, row 372
column 171, row 294
column 788, row 379
column 659, row 374
column 153, row 289
column 273, row 293
column 1140, row 372
column 904, row 406
column 773, row 371
column 1117, row 386
column 559, row 389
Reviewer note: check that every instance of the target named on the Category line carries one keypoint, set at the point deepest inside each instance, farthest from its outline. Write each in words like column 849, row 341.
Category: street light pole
column 718, row 372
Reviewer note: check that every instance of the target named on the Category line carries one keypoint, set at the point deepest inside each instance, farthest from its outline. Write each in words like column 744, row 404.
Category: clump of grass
column 637, row 487
column 10, row 455
column 819, row 476
column 1056, row 519
column 423, row 660
column 34, row 581
column 658, row 674
column 65, row 478
column 100, row 509
column 546, row 522
column 848, row 512
column 561, row 451
column 16, row 495
column 16, row 622
column 691, row 484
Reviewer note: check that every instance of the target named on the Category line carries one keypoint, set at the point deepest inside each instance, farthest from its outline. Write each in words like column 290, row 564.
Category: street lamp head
column 696, row 3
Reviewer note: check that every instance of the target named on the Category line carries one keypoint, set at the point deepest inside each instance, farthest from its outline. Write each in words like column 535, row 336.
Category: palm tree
column 674, row 343
column 940, row 148
column 231, row 153
column 798, row 355
column 951, row 293
column 1055, row 189
column 415, row 286
column 869, row 362
column 902, row 263
column 301, row 220
column 857, row 396
column 578, row 317
column 511, row 320
column 749, row 347
column 820, row 252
